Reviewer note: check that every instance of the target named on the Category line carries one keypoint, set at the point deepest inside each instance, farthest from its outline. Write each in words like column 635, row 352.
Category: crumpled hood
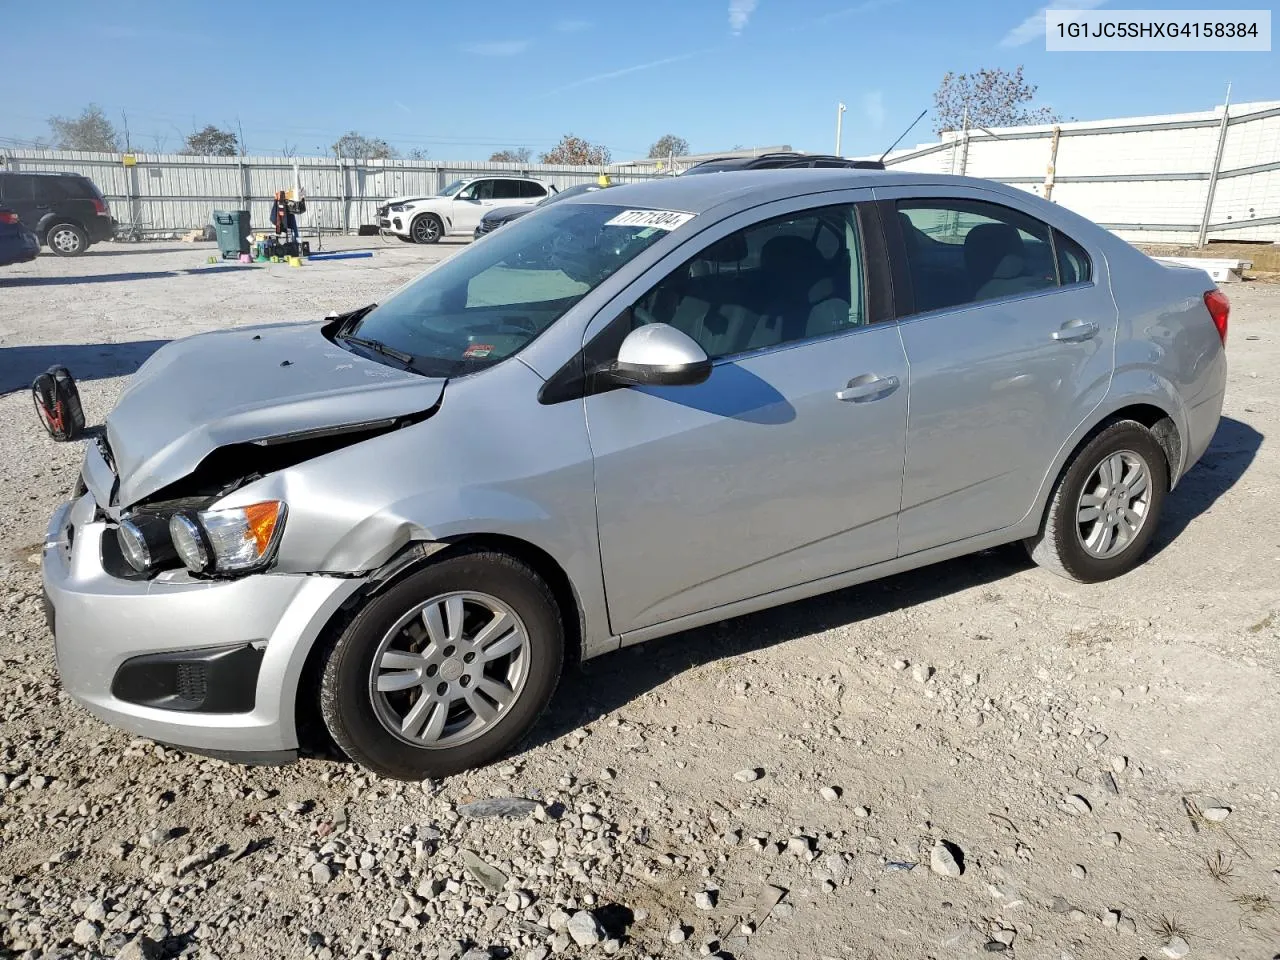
column 245, row 385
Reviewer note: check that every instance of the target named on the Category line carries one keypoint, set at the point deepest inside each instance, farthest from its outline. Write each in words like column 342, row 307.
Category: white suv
column 458, row 207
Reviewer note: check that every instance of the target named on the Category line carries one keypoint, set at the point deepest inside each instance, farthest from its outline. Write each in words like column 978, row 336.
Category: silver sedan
column 627, row 414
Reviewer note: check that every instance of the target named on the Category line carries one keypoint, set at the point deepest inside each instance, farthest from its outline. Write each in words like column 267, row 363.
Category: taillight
column 100, row 207
column 1219, row 309
column 7, row 217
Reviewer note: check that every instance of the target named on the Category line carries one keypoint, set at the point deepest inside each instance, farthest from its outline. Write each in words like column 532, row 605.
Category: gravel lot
column 977, row 758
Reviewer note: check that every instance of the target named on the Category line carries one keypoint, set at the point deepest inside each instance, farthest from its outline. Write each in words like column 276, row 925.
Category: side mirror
column 659, row 355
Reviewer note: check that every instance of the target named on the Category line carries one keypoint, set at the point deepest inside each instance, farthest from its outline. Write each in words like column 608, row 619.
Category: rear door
column 1009, row 329
column 785, row 466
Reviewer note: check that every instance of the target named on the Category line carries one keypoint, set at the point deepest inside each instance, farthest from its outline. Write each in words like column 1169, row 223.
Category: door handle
column 868, row 386
column 1074, row 331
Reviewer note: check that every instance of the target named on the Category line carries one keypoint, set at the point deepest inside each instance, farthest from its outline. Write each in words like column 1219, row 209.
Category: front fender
column 491, row 461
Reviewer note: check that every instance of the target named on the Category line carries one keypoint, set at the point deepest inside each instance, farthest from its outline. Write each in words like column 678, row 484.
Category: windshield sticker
column 661, row 219
column 477, row 351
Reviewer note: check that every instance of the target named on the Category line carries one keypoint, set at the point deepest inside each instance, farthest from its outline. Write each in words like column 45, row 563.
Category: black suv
column 65, row 210
column 778, row 161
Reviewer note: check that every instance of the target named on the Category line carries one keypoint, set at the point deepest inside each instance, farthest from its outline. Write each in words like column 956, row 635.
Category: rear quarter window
column 1074, row 265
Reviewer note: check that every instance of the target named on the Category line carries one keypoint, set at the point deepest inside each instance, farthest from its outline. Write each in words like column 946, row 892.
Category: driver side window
column 786, row 279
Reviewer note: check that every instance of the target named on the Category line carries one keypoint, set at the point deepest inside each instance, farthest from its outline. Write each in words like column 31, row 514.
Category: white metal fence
column 1178, row 178
column 172, row 192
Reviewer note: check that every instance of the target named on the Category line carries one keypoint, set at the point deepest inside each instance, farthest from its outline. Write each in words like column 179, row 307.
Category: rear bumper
column 1204, row 413
column 100, row 228
column 20, row 247
column 112, row 637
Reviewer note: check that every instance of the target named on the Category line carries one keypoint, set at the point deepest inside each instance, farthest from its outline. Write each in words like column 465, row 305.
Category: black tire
column 426, row 228
column 404, row 238
column 1060, row 545
column 67, row 239
column 347, row 697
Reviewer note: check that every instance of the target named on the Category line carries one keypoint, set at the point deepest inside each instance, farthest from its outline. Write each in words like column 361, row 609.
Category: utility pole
column 840, row 109
column 1203, row 236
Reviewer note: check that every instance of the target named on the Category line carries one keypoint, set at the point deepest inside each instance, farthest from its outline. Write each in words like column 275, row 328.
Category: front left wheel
column 446, row 670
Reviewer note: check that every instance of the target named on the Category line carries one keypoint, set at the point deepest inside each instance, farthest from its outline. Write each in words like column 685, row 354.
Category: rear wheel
column 427, row 229
column 446, row 670
column 67, row 239
column 1106, row 506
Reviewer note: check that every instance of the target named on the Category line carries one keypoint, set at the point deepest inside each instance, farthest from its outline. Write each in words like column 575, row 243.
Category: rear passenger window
column 790, row 278
column 16, row 187
column 507, row 190
column 1073, row 262
column 966, row 251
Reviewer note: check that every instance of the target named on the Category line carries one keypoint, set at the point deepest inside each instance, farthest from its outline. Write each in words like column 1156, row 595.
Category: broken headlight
column 234, row 540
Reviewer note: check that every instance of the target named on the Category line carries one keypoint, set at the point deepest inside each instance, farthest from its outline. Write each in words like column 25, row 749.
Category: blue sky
column 464, row 79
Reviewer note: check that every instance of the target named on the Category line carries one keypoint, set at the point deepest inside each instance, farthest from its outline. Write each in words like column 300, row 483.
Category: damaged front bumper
column 210, row 665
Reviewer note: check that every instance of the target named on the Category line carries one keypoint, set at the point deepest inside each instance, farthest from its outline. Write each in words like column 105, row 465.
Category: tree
column 89, row 131
column 993, row 98
column 575, row 151
column 356, row 146
column 418, row 153
column 212, row 142
column 669, row 146
column 518, row 155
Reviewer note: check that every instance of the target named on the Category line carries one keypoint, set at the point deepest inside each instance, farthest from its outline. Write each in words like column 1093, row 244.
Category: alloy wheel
column 1114, row 504
column 425, row 230
column 64, row 240
column 449, row 669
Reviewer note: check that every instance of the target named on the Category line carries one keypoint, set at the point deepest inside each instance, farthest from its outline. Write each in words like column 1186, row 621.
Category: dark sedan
column 17, row 243
column 495, row 218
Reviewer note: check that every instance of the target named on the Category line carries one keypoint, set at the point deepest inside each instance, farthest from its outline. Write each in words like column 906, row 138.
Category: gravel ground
column 977, row 758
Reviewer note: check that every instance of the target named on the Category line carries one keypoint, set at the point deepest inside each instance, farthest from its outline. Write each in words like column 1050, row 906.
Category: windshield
column 492, row 299
column 452, row 188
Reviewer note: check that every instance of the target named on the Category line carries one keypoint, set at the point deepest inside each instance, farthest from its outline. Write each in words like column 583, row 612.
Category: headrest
column 993, row 251
column 790, row 255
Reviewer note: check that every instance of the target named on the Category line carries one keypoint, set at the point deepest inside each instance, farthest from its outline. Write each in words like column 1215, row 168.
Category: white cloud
column 401, row 106
column 572, row 26
column 739, row 13
column 652, row 64
column 1032, row 28
column 873, row 108
column 497, row 48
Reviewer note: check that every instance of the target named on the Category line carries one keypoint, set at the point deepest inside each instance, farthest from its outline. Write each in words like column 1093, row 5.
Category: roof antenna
column 904, row 133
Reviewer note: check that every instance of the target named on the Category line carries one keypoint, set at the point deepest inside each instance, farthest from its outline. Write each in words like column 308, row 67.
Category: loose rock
column 945, row 859
column 508, row 807
column 585, row 929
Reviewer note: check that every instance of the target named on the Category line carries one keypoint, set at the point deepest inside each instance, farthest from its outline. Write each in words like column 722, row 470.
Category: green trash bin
column 234, row 232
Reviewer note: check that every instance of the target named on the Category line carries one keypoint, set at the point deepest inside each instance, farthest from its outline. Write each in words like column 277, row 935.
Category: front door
column 472, row 203
column 785, row 466
column 1010, row 339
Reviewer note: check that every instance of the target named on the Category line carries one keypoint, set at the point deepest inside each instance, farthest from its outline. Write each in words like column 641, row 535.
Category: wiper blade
column 377, row 346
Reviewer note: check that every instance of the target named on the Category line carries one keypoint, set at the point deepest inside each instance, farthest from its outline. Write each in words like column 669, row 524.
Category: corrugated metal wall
column 172, row 192
column 1146, row 178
